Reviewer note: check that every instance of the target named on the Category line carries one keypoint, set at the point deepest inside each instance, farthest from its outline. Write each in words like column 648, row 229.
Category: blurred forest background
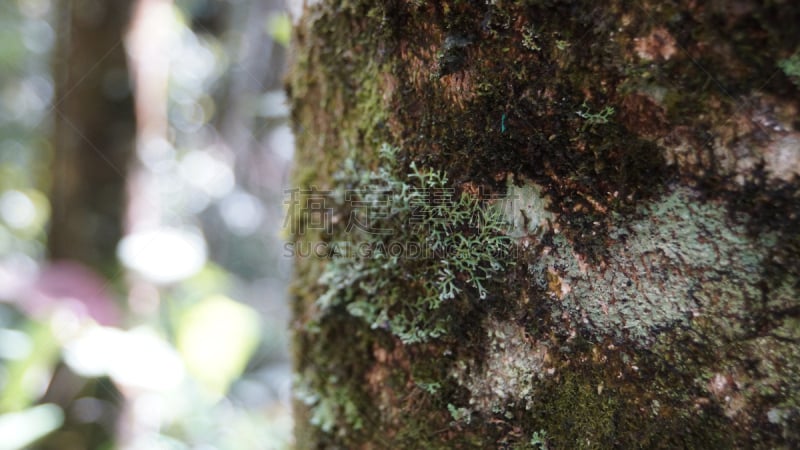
column 144, row 149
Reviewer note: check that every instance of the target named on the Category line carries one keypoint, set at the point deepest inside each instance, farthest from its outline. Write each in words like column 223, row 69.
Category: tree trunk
column 94, row 133
column 645, row 159
column 93, row 141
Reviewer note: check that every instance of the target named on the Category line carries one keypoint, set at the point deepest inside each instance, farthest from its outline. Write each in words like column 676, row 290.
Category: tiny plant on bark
column 594, row 118
column 791, row 67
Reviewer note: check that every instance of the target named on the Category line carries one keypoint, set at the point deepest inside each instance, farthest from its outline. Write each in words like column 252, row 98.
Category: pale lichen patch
column 782, row 157
column 514, row 364
column 525, row 209
column 683, row 257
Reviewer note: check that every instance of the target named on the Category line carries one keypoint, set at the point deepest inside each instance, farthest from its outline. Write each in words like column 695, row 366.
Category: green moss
column 580, row 416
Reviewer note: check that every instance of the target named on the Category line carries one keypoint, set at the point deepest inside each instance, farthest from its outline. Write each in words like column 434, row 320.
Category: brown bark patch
column 658, row 45
column 642, row 114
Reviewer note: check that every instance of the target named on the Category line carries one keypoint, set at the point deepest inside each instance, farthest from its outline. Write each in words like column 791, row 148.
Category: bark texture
column 653, row 297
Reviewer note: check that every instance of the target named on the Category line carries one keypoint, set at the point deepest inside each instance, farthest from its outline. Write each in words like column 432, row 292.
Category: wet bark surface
column 651, row 297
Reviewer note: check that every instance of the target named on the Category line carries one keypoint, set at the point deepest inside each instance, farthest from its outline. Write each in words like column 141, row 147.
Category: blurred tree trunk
column 654, row 152
column 246, row 127
column 94, row 132
column 92, row 144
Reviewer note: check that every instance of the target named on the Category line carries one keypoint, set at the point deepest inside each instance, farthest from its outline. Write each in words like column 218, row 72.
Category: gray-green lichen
column 681, row 259
column 328, row 407
column 410, row 244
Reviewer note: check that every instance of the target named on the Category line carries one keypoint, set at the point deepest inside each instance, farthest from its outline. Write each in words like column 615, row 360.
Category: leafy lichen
column 328, row 409
column 414, row 248
column 594, row 118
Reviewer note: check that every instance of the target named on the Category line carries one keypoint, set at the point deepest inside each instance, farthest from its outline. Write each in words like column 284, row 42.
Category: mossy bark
column 652, row 299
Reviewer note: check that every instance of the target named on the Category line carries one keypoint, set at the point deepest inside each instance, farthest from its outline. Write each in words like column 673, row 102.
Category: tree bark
column 94, row 130
column 650, row 298
column 94, row 133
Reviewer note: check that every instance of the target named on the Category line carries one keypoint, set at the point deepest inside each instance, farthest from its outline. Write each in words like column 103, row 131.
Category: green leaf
column 216, row 338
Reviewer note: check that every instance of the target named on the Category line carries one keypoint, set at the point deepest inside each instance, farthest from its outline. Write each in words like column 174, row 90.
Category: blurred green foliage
column 191, row 369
